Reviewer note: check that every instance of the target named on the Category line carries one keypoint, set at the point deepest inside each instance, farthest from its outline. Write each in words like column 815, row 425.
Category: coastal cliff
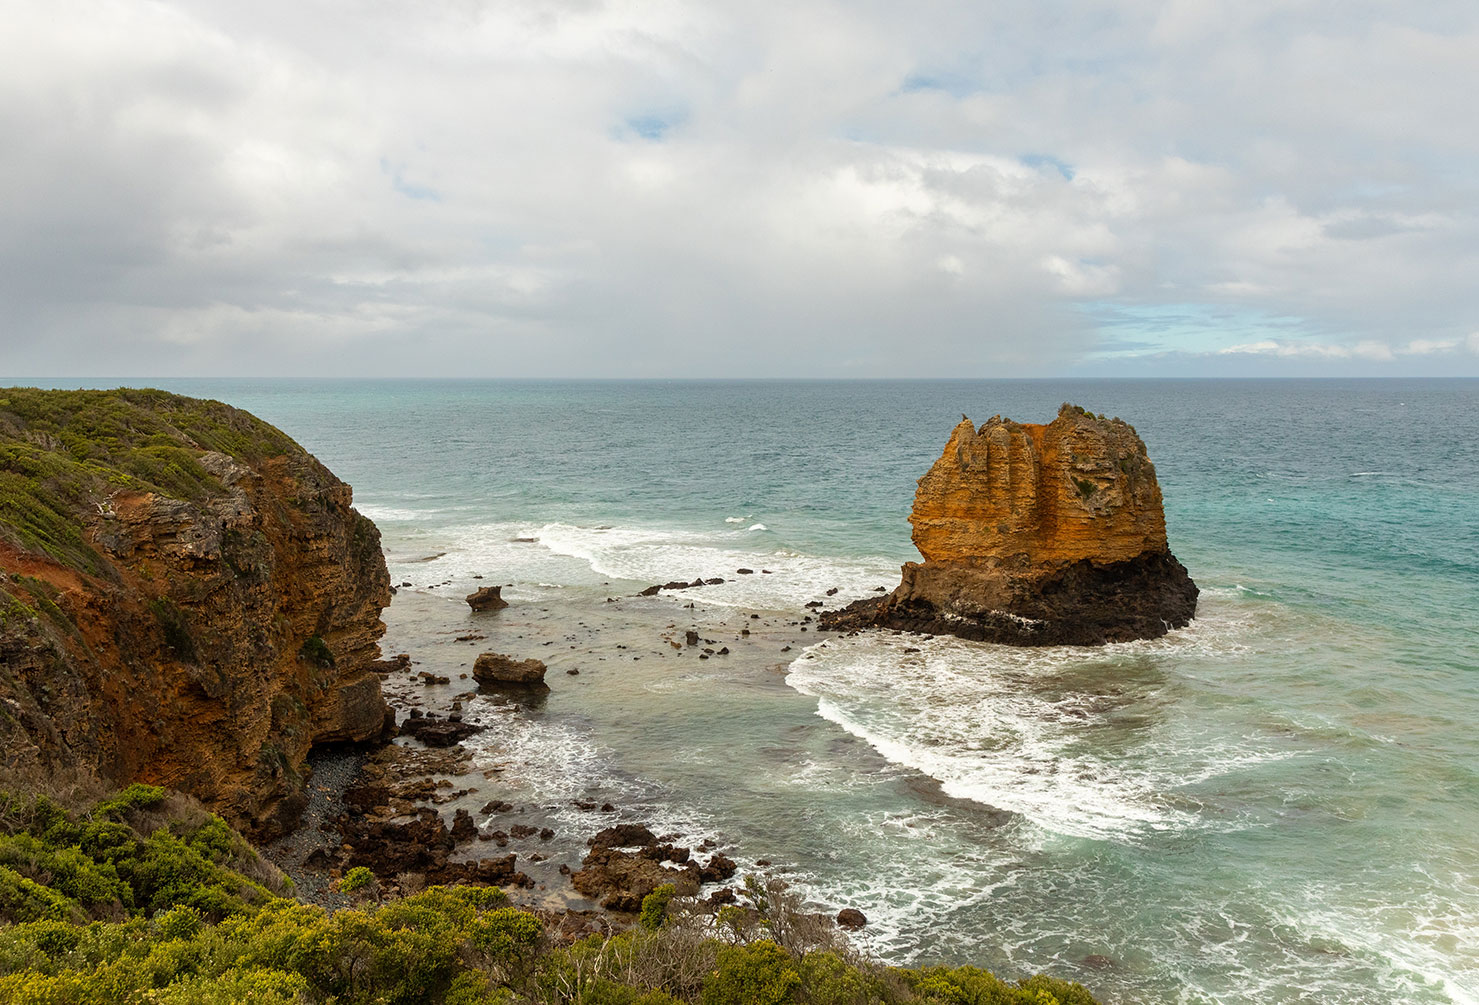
column 187, row 598
column 1038, row 535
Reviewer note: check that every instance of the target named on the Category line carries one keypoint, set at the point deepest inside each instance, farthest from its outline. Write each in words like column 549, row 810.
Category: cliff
column 187, row 599
column 1038, row 535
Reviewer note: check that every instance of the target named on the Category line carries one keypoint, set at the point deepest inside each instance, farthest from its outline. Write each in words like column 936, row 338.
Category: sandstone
column 497, row 669
column 196, row 606
column 487, row 598
column 1037, row 535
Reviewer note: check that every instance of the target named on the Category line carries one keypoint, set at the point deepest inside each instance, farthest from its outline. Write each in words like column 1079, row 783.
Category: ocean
column 1277, row 804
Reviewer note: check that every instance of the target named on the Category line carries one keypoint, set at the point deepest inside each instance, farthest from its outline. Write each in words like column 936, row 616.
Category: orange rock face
column 1077, row 488
column 1040, row 534
column 204, row 644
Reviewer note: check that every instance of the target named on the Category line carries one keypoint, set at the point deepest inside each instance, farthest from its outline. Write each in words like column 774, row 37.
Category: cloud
column 461, row 187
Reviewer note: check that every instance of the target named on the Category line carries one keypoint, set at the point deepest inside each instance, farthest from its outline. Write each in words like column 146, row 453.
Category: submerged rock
column 1037, row 535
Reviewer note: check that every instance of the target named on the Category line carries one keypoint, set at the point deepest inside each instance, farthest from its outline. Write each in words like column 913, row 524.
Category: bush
column 509, row 940
column 355, row 879
column 761, row 973
column 655, row 907
column 23, row 899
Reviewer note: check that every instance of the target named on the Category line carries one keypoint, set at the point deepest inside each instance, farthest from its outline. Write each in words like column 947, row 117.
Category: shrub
column 655, row 907
column 509, row 940
column 136, row 797
column 355, row 879
column 761, row 973
column 179, row 922
column 23, row 899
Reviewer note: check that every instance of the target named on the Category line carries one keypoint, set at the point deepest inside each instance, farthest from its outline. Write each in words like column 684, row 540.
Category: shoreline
column 582, row 638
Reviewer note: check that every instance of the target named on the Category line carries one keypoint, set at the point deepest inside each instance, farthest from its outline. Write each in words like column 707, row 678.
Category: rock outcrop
column 187, row 598
column 487, row 598
column 499, row 670
column 1038, row 535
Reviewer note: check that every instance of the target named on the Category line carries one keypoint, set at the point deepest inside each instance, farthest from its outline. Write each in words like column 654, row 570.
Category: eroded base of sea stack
column 1037, row 535
column 1081, row 605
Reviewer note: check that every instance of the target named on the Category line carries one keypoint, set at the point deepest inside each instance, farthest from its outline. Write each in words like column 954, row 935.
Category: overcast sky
column 460, row 188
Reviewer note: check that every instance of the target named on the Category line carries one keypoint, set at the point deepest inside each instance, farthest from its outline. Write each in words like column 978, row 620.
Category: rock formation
column 487, row 598
column 1038, row 535
column 500, row 670
column 187, row 598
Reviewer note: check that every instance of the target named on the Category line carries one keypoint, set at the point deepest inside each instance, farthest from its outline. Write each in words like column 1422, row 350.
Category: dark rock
column 438, row 732
column 832, row 592
column 691, row 638
column 623, row 836
column 719, row 868
column 520, row 831
column 745, row 572
column 463, row 829
column 1095, row 961
column 713, row 582
column 497, row 669
column 620, row 879
column 851, row 919
column 546, row 833
column 651, row 591
column 486, row 598
column 720, row 897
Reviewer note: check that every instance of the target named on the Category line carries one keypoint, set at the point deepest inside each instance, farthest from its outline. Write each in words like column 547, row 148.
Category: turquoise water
column 1277, row 804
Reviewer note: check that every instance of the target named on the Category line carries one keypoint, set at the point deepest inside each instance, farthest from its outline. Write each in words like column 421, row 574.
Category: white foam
column 1006, row 727
column 758, row 526
column 387, row 514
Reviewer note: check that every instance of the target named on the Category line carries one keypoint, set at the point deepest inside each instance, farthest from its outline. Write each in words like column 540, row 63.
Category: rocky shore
column 432, row 806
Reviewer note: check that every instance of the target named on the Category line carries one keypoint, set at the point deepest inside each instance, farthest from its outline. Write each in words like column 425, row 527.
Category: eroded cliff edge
column 1038, row 535
column 187, row 598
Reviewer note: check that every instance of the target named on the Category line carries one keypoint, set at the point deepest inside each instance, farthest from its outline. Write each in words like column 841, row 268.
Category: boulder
column 497, row 669
column 851, row 919
column 486, row 598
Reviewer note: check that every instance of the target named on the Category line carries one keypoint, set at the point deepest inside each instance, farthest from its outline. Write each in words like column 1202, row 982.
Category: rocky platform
column 1037, row 535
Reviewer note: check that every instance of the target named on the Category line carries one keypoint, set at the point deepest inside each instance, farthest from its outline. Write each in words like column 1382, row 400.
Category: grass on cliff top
column 145, row 898
column 64, row 452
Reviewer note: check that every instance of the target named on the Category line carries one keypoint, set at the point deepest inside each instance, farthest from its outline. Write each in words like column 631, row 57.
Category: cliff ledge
column 187, row 599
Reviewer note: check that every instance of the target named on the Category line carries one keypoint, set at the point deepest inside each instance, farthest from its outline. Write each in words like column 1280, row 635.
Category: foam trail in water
column 1062, row 736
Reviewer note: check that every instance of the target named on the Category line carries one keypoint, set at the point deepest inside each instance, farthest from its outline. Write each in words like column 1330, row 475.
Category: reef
column 187, row 599
column 1037, row 535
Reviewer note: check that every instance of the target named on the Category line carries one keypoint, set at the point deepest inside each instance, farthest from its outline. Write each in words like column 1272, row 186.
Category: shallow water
column 1277, row 804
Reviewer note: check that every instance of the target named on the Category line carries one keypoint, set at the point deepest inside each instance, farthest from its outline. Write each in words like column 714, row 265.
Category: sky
column 739, row 189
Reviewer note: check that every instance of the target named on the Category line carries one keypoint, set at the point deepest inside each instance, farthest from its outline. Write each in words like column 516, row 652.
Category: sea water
column 1279, row 803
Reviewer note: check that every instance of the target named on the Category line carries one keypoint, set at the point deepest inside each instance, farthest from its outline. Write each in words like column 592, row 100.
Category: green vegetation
column 143, row 897
column 1085, row 488
column 316, row 651
column 64, row 452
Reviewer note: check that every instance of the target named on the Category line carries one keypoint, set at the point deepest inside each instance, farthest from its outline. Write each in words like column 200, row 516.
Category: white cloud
column 467, row 187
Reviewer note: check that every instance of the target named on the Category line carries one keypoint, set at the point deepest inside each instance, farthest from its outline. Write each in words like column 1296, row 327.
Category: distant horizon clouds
column 465, row 188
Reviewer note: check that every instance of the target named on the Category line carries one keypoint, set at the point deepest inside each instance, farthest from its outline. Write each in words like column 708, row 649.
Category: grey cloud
column 627, row 189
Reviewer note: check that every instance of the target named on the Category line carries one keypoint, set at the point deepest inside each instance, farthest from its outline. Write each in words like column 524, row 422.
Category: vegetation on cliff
column 187, row 598
column 145, row 897
column 62, row 452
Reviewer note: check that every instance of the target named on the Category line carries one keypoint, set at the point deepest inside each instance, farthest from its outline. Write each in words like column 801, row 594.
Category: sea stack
column 1038, row 535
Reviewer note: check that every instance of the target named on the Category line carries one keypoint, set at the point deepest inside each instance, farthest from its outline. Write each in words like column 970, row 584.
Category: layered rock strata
column 187, row 598
column 1037, row 535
